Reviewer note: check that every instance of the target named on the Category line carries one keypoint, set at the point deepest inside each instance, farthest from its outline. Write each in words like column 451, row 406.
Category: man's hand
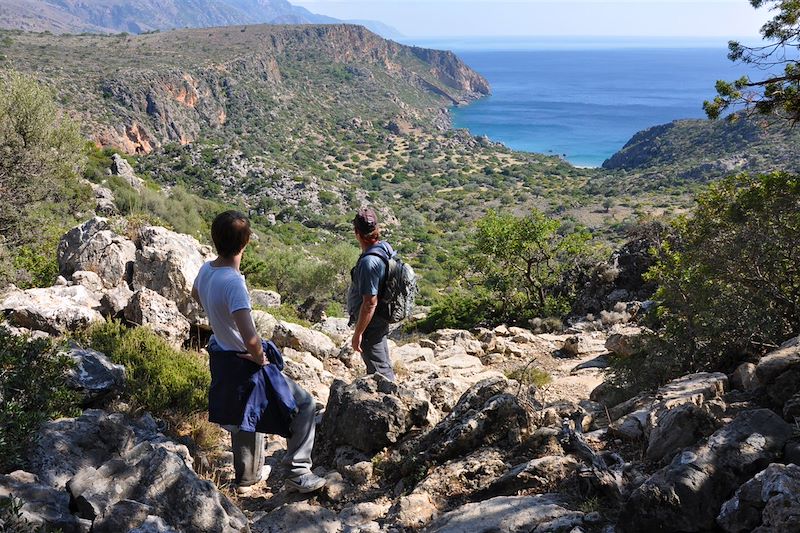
column 369, row 303
column 357, row 343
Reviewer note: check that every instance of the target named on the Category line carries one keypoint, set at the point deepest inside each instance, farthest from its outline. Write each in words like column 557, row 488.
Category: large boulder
column 489, row 413
column 302, row 339
column 63, row 447
column 637, row 417
column 45, row 508
column 687, row 494
column 768, row 503
column 266, row 299
column 511, row 514
column 151, row 481
column 93, row 246
column 624, row 341
column 449, row 338
column 298, row 517
column 148, row 308
column 120, row 167
column 94, row 375
column 368, row 415
column 779, row 372
column 56, row 310
column 168, row 263
column 122, row 474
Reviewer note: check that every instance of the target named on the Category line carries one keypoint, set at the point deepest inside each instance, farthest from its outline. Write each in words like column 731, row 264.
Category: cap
column 366, row 220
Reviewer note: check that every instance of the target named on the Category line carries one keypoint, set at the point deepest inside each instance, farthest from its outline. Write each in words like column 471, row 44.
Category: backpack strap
column 378, row 251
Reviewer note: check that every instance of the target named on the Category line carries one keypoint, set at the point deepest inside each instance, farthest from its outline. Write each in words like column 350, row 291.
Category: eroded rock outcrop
column 56, row 310
column 368, row 415
column 95, row 247
column 687, row 494
column 168, row 262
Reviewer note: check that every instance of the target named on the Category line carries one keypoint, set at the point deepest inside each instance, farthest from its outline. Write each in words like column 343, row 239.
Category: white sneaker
column 306, row 483
column 244, row 490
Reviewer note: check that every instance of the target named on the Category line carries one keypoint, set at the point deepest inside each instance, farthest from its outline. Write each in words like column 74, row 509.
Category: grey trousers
column 375, row 349
column 248, row 447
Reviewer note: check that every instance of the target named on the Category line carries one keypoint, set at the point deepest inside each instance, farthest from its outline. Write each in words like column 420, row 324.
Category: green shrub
column 459, row 310
column 160, row 378
column 729, row 285
column 530, row 375
column 32, row 390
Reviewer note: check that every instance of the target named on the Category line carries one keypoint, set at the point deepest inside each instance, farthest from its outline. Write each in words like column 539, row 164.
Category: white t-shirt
column 222, row 292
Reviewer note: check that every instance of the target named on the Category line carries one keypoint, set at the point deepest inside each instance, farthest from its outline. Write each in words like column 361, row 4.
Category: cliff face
column 140, row 92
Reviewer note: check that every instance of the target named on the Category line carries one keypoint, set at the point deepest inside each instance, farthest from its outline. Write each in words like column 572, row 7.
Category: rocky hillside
column 141, row 92
column 115, row 16
column 502, row 429
column 702, row 150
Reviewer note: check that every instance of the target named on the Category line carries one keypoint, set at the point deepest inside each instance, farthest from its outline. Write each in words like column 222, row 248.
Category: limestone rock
column 488, row 413
column 94, row 375
column 55, row 310
column 42, row 506
column 415, row 510
column 687, row 494
column 368, row 414
column 624, row 341
column 335, row 328
column 168, row 263
column 93, row 246
column 63, row 447
column 779, row 372
column 114, row 301
column 88, row 280
column 120, row 167
column 265, row 299
column 540, row 474
column 302, row 339
column 298, row 517
column 583, row 344
column 676, row 428
column 744, row 377
column 159, row 479
column 768, row 503
column 148, row 308
column 448, row 338
column 510, row 514
column 637, row 417
column 265, row 323
column 412, row 352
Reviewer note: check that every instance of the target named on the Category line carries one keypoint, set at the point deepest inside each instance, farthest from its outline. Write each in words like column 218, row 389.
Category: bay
column 584, row 98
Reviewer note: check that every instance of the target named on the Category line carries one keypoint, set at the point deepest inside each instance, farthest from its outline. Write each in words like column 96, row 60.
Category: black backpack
column 398, row 288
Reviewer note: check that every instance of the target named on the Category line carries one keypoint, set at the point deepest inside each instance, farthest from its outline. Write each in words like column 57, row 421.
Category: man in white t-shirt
column 221, row 290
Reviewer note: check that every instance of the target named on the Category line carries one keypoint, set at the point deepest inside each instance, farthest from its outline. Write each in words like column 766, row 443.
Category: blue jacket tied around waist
column 252, row 397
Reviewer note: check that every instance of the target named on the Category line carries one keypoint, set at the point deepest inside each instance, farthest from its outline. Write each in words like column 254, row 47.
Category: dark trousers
column 375, row 349
column 248, row 448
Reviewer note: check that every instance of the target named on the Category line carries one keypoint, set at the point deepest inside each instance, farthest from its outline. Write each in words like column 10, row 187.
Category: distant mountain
column 140, row 16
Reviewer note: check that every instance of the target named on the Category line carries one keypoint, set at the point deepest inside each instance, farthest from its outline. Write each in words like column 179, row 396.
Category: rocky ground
column 501, row 430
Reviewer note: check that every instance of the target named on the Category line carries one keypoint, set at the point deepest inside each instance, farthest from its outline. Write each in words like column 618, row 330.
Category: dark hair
column 230, row 232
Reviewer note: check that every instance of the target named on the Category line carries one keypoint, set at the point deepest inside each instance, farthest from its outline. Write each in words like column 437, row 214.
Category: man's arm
column 252, row 340
column 369, row 303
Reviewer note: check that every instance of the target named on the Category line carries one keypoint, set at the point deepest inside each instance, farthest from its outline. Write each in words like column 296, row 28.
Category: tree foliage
column 40, row 152
column 778, row 94
column 729, row 279
column 515, row 269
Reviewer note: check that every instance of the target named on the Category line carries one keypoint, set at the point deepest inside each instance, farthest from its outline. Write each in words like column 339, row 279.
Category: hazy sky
column 442, row 18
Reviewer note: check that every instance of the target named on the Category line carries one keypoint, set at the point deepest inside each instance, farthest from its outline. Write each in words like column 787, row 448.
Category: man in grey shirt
column 367, row 280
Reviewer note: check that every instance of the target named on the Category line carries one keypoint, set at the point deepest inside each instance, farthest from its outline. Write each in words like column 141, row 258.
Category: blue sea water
column 583, row 99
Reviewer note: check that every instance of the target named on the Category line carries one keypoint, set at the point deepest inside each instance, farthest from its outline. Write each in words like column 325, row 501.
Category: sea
column 584, row 98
